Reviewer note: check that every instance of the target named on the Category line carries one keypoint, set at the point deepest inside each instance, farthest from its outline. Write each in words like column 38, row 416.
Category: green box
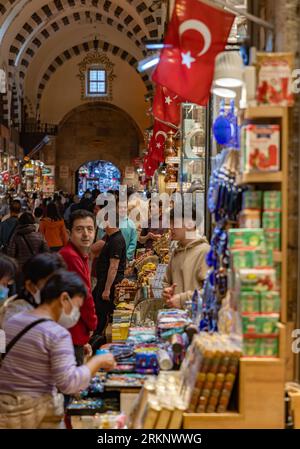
column 242, row 259
column 267, row 324
column 252, row 200
column 272, row 200
column 250, row 302
column 269, row 347
column 246, row 238
column 251, row 347
column 270, row 302
column 272, row 220
column 263, row 258
column 273, row 240
column 251, row 324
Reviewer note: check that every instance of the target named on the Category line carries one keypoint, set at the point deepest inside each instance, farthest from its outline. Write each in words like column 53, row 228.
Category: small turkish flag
column 166, row 105
column 196, row 34
column 149, row 166
column 158, row 140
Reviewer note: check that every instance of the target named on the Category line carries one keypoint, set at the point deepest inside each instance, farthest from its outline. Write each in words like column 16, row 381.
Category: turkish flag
column 166, row 105
column 149, row 166
column 197, row 33
column 158, row 140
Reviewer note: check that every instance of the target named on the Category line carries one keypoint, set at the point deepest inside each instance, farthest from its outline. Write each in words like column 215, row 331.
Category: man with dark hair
column 187, row 267
column 76, row 256
column 8, row 226
column 110, row 270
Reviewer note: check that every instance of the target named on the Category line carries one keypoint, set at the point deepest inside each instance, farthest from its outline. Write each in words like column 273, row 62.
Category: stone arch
column 95, row 131
column 85, row 48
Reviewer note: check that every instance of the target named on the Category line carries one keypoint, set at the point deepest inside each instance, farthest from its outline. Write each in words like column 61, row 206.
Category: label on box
column 173, row 160
column 261, row 148
column 171, row 185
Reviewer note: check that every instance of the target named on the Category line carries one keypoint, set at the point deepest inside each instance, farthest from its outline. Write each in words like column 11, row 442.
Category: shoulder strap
column 12, row 343
column 27, row 243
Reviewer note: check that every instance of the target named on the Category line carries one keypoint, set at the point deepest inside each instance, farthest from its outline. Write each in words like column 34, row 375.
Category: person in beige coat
column 187, row 268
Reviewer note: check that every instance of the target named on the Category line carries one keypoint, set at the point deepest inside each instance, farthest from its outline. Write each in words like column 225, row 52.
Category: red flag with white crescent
column 166, row 105
column 158, row 140
column 197, row 33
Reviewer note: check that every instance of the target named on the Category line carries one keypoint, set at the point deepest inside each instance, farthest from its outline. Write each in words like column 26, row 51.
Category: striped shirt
column 42, row 360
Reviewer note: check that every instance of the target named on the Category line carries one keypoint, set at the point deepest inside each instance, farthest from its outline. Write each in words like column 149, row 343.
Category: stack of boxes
column 255, row 287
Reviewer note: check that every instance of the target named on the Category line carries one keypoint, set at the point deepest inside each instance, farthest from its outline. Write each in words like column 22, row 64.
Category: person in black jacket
column 26, row 242
column 8, row 226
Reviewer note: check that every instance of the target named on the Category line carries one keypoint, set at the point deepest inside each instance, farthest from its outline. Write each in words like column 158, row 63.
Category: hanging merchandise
column 222, row 127
column 235, row 130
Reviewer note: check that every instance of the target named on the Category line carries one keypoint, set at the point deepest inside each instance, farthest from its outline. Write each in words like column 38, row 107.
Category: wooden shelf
column 265, row 112
column 259, row 178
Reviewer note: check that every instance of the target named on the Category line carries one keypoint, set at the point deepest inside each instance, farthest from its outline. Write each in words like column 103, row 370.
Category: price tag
column 172, row 185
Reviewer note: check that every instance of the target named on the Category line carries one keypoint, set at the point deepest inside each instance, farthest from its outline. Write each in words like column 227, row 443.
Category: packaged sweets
column 252, row 200
column 250, row 218
column 274, row 78
column 272, row 200
column 258, row 280
column 249, row 302
column 272, row 220
column 269, row 347
column 251, row 347
column 261, row 148
column 273, row 240
column 268, row 324
column 246, row 238
column 250, row 324
column 252, row 259
column 269, row 302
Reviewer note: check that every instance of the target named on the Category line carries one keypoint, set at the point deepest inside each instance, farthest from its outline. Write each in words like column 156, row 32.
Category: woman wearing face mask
column 42, row 360
column 8, row 271
column 36, row 272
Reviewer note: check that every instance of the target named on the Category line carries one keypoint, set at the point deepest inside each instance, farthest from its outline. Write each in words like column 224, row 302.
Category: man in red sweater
column 76, row 256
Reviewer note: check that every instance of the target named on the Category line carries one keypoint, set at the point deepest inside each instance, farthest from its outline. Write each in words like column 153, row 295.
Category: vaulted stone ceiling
column 38, row 36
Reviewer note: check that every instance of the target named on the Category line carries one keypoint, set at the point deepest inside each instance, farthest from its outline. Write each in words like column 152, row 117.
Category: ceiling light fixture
column 147, row 63
column 229, row 69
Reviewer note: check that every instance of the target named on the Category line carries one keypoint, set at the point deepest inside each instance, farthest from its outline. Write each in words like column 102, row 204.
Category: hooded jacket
column 187, row 268
column 25, row 243
column 55, row 232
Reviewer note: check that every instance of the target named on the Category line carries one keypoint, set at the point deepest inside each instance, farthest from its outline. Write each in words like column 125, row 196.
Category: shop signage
column 64, row 172
column 48, row 170
column 129, row 172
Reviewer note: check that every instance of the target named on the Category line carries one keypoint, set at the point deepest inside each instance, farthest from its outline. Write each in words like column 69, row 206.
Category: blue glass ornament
column 222, row 128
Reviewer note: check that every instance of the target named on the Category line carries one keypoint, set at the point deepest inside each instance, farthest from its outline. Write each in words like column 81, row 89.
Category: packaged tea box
column 272, row 220
column 272, row 200
column 269, row 347
column 246, row 238
column 252, row 200
column 273, row 240
column 251, row 347
column 250, row 302
column 270, row 302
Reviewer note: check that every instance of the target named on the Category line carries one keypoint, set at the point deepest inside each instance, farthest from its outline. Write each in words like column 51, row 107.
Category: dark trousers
column 104, row 309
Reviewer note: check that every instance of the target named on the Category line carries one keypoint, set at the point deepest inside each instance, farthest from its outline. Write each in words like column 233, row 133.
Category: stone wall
column 95, row 132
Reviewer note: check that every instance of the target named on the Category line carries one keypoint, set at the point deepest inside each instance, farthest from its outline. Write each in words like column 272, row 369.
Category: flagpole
column 234, row 10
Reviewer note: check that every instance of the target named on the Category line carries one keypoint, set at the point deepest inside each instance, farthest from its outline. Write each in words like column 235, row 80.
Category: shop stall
column 32, row 175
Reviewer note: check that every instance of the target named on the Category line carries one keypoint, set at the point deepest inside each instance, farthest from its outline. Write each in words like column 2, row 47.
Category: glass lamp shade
column 229, row 69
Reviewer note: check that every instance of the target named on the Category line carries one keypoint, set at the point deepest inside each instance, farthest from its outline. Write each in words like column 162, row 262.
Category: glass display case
column 195, row 156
